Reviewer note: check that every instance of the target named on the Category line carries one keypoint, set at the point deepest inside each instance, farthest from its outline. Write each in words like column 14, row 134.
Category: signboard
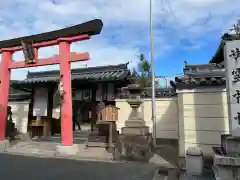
column 40, row 103
column 232, row 66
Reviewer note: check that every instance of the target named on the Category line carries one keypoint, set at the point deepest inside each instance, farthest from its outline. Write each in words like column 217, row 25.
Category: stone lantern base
column 135, row 125
column 136, row 141
column 137, row 148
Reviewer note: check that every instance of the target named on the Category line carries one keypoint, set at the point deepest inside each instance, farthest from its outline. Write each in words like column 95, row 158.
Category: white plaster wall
column 40, row 102
column 203, row 117
column 20, row 111
column 166, row 116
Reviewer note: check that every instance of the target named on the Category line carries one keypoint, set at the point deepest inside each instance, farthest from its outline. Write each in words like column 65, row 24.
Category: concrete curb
column 77, row 158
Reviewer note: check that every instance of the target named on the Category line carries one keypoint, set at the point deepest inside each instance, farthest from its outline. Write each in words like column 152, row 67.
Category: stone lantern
column 136, row 141
column 135, row 124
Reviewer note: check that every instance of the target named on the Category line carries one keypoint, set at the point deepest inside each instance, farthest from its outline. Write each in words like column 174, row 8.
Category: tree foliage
column 142, row 76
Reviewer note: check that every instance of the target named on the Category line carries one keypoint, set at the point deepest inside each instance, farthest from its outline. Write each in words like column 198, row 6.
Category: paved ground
column 15, row 167
column 48, row 149
column 48, row 167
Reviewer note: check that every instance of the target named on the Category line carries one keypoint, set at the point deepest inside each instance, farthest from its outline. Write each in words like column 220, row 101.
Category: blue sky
column 193, row 37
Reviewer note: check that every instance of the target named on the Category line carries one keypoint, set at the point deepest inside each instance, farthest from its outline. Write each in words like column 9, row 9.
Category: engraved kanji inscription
column 237, row 96
column 235, row 53
column 237, row 118
column 236, row 75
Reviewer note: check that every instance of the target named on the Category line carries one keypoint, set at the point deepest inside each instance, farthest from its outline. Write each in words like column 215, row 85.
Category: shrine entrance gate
column 63, row 38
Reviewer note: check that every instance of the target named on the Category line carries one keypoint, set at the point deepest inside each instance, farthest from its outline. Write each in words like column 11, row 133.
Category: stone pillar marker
column 227, row 157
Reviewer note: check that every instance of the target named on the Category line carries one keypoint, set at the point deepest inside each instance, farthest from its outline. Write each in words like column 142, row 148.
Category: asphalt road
column 13, row 167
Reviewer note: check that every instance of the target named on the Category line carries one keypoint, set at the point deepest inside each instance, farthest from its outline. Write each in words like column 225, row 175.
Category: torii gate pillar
column 4, row 90
column 66, row 109
column 63, row 38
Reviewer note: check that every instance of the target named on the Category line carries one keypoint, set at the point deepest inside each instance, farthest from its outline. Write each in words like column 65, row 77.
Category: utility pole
column 153, row 76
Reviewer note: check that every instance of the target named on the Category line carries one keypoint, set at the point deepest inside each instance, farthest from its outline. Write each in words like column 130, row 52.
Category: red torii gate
column 63, row 38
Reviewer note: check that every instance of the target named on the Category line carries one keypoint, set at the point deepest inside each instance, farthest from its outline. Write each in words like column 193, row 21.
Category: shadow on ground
column 168, row 150
column 16, row 167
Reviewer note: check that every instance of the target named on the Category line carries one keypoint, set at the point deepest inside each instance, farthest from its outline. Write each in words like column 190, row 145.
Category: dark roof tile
column 116, row 72
column 215, row 77
column 17, row 94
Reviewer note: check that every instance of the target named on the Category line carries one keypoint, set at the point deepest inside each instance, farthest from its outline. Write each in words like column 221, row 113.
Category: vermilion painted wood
column 36, row 52
column 49, row 61
column 64, row 58
column 66, row 113
column 4, row 91
column 49, row 43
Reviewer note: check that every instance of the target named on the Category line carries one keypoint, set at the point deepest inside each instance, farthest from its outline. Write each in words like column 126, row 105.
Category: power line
column 175, row 16
column 172, row 11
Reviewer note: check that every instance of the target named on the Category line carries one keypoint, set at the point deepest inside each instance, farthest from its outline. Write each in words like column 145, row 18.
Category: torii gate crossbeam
column 63, row 38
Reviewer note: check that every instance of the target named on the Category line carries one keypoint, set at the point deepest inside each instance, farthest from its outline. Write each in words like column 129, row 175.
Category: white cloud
column 126, row 25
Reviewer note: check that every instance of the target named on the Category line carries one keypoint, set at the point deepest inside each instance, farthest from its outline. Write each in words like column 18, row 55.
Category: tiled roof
column 102, row 73
column 198, row 65
column 193, row 82
column 210, row 74
column 190, row 80
column 17, row 95
column 188, row 68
